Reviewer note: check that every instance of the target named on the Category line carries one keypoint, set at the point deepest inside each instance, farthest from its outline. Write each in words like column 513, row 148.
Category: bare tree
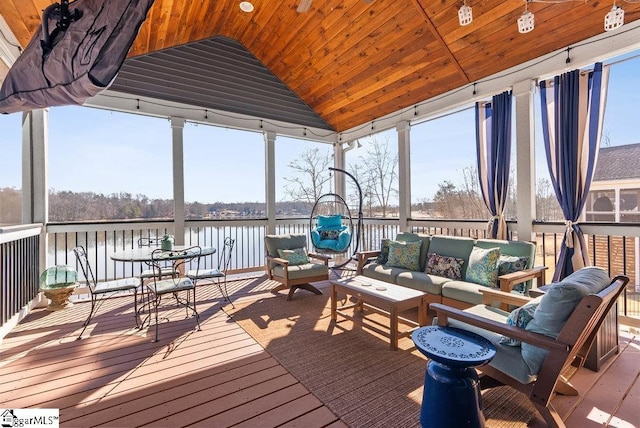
column 310, row 175
column 380, row 176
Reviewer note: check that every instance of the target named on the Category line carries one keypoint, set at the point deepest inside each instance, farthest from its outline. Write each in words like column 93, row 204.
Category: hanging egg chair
column 331, row 224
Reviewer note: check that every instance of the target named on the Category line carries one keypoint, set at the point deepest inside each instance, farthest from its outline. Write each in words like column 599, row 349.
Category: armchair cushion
column 483, row 266
column 297, row 256
column 557, row 304
column 404, row 255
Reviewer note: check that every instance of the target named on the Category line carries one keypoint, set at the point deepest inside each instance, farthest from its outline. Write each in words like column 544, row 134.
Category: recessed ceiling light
column 246, row 6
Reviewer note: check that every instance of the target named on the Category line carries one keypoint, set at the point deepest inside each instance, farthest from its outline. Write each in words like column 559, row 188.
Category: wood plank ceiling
column 353, row 61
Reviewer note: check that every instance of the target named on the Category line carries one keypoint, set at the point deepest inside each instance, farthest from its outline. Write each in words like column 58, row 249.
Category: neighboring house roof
column 618, row 163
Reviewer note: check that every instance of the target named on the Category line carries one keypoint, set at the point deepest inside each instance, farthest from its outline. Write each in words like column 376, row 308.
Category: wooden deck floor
column 115, row 376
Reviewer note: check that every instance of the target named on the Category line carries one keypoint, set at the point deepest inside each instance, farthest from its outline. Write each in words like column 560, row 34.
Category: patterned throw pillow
column 404, row 255
column 329, row 234
column 297, row 256
column 520, row 317
column 449, row 267
column 510, row 264
column 483, row 266
column 384, row 252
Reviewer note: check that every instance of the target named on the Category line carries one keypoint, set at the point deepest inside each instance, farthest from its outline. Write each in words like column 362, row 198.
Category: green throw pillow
column 483, row 266
column 404, row 255
column 297, row 256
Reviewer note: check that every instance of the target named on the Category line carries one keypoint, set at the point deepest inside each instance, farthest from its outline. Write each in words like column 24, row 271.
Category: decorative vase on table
column 166, row 243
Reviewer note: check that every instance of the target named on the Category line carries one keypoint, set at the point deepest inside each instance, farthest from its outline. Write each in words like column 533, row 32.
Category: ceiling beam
column 437, row 35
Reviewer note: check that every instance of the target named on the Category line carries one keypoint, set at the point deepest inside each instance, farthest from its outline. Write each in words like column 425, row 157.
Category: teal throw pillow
column 520, row 317
column 483, row 266
column 446, row 266
column 383, row 257
column 404, row 255
column 297, row 256
column 510, row 264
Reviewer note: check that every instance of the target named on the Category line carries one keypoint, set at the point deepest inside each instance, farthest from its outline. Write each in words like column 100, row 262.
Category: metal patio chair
column 219, row 274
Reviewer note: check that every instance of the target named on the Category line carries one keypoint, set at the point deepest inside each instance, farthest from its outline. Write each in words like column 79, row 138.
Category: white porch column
column 404, row 174
column 270, row 179
column 35, row 193
column 525, row 162
column 339, row 182
column 177, row 128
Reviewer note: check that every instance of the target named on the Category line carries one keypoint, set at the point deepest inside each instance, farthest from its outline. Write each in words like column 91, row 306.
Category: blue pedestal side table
column 451, row 396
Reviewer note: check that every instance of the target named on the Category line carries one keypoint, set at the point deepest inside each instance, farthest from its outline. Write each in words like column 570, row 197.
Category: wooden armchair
column 285, row 265
column 571, row 346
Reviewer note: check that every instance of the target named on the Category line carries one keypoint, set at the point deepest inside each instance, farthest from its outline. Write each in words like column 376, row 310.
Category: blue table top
column 453, row 346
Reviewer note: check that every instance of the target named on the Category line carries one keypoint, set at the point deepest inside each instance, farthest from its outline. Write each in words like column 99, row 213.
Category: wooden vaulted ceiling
column 353, row 61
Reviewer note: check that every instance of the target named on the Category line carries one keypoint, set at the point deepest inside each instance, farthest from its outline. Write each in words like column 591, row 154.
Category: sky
column 109, row 152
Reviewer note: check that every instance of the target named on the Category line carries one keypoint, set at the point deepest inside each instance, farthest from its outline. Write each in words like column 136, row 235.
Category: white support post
column 404, row 173
column 339, row 182
column 270, row 179
column 525, row 161
column 35, row 191
column 177, row 132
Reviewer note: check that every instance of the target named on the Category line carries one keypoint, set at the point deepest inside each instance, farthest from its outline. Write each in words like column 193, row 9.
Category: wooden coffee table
column 389, row 298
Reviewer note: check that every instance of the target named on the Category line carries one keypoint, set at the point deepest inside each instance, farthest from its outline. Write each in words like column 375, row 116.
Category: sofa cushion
column 508, row 359
column 431, row 284
column 483, row 266
column 557, row 305
column 404, row 255
column 297, row 256
column 453, row 246
column 382, row 272
column 449, row 267
column 463, row 291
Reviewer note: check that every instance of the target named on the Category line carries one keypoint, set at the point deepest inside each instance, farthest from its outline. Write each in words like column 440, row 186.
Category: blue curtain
column 572, row 115
column 493, row 143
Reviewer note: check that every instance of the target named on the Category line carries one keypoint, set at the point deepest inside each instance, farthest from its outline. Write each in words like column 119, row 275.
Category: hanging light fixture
column 526, row 21
column 465, row 16
column 614, row 19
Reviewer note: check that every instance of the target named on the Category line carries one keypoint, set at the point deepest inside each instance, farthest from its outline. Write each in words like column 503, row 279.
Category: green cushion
column 510, row 264
column 557, row 305
column 431, row 284
column 483, row 266
column 520, row 317
column 302, row 271
column 283, row 242
column 405, row 255
column 297, row 256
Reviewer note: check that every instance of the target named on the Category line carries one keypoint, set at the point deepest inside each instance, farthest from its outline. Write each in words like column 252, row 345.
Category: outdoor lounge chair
column 565, row 322
column 289, row 263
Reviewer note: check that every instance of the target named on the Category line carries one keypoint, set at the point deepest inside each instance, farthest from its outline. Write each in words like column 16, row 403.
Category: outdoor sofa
column 453, row 270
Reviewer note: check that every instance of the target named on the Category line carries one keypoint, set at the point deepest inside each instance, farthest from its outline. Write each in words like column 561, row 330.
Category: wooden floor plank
column 284, row 413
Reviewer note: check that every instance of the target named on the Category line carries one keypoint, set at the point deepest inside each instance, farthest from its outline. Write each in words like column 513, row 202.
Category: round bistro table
column 451, row 396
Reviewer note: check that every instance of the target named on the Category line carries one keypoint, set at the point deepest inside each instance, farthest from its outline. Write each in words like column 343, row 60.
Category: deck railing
column 19, row 270
column 613, row 246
